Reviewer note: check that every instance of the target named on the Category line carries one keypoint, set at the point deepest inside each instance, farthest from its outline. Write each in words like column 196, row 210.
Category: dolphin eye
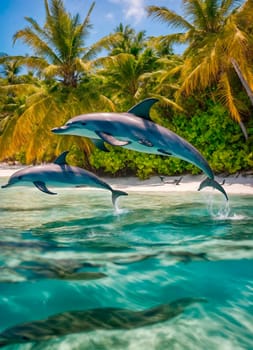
column 83, row 123
column 20, row 178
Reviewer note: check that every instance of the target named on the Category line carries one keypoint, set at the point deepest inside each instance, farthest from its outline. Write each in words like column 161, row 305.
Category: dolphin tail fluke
column 212, row 183
column 116, row 194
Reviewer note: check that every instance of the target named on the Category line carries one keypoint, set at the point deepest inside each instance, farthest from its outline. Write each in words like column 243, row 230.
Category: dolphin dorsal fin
column 61, row 160
column 142, row 109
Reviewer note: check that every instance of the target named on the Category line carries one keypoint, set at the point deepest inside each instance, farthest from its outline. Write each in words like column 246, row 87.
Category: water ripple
column 73, row 264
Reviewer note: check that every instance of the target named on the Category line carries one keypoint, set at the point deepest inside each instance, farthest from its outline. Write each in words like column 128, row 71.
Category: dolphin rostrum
column 134, row 130
column 59, row 174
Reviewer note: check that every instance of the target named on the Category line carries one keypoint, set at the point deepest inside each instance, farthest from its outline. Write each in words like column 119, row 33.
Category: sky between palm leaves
column 105, row 17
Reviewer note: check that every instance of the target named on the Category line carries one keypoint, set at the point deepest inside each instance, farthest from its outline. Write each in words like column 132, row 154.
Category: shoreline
column 233, row 184
column 187, row 183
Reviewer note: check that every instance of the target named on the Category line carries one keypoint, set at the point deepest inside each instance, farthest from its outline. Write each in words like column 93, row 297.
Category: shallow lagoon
column 162, row 272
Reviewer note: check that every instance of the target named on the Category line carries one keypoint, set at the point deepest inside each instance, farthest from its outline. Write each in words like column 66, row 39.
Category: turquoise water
column 162, row 272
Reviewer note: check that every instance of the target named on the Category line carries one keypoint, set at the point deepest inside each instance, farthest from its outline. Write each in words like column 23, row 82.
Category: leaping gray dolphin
column 59, row 174
column 134, row 130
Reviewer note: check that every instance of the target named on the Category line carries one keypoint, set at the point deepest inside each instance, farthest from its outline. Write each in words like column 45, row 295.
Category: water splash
column 118, row 210
column 220, row 210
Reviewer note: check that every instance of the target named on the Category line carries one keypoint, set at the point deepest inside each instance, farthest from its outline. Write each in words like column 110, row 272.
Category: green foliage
column 76, row 156
column 218, row 138
column 212, row 132
column 21, row 157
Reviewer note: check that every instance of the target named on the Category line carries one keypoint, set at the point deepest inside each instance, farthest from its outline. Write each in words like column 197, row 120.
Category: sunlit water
column 163, row 271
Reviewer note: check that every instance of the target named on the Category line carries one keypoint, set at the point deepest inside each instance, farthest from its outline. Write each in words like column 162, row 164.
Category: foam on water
column 232, row 217
column 222, row 210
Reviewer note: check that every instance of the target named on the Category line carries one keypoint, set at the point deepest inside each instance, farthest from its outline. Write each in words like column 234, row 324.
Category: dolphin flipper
column 42, row 187
column 212, row 183
column 111, row 139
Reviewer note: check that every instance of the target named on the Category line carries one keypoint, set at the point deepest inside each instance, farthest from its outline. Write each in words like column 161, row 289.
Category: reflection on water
column 131, row 279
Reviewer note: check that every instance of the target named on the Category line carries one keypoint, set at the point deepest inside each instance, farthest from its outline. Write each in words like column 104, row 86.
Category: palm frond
column 19, row 89
column 225, row 95
column 199, row 75
column 34, row 62
column 36, row 43
column 168, row 102
column 169, row 17
column 194, row 9
column 86, row 23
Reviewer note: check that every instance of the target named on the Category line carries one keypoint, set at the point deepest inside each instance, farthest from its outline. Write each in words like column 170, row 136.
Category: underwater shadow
column 60, row 269
column 94, row 319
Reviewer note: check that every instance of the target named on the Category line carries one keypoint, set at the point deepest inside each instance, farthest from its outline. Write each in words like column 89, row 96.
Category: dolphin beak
column 4, row 186
column 59, row 130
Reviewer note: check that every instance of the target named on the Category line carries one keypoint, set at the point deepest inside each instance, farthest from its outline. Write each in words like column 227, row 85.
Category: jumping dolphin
column 93, row 319
column 59, row 174
column 134, row 130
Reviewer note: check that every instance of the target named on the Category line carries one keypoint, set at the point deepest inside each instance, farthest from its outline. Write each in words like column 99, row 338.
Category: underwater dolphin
column 134, row 130
column 59, row 174
column 94, row 319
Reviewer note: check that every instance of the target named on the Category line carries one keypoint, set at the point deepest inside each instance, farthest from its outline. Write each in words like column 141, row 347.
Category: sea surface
column 161, row 271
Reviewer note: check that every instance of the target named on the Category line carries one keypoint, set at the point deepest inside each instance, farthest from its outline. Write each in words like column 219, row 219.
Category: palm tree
column 214, row 36
column 10, row 68
column 128, row 41
column 244, row 19
column 26, row 130
column 69, row 88
column 58, row 45
column 124, row 76
column 133, row 69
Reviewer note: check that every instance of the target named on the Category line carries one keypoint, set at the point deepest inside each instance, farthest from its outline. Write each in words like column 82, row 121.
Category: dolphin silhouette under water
column 134, row 130
column 59, row 174
column 93, row 319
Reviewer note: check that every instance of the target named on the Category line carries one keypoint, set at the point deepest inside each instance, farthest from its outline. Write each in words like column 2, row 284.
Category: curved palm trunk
column 246, row 87
column 243, row 128
column 243, row 80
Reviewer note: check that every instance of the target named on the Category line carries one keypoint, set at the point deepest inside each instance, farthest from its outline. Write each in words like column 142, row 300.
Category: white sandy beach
column 189, row 183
